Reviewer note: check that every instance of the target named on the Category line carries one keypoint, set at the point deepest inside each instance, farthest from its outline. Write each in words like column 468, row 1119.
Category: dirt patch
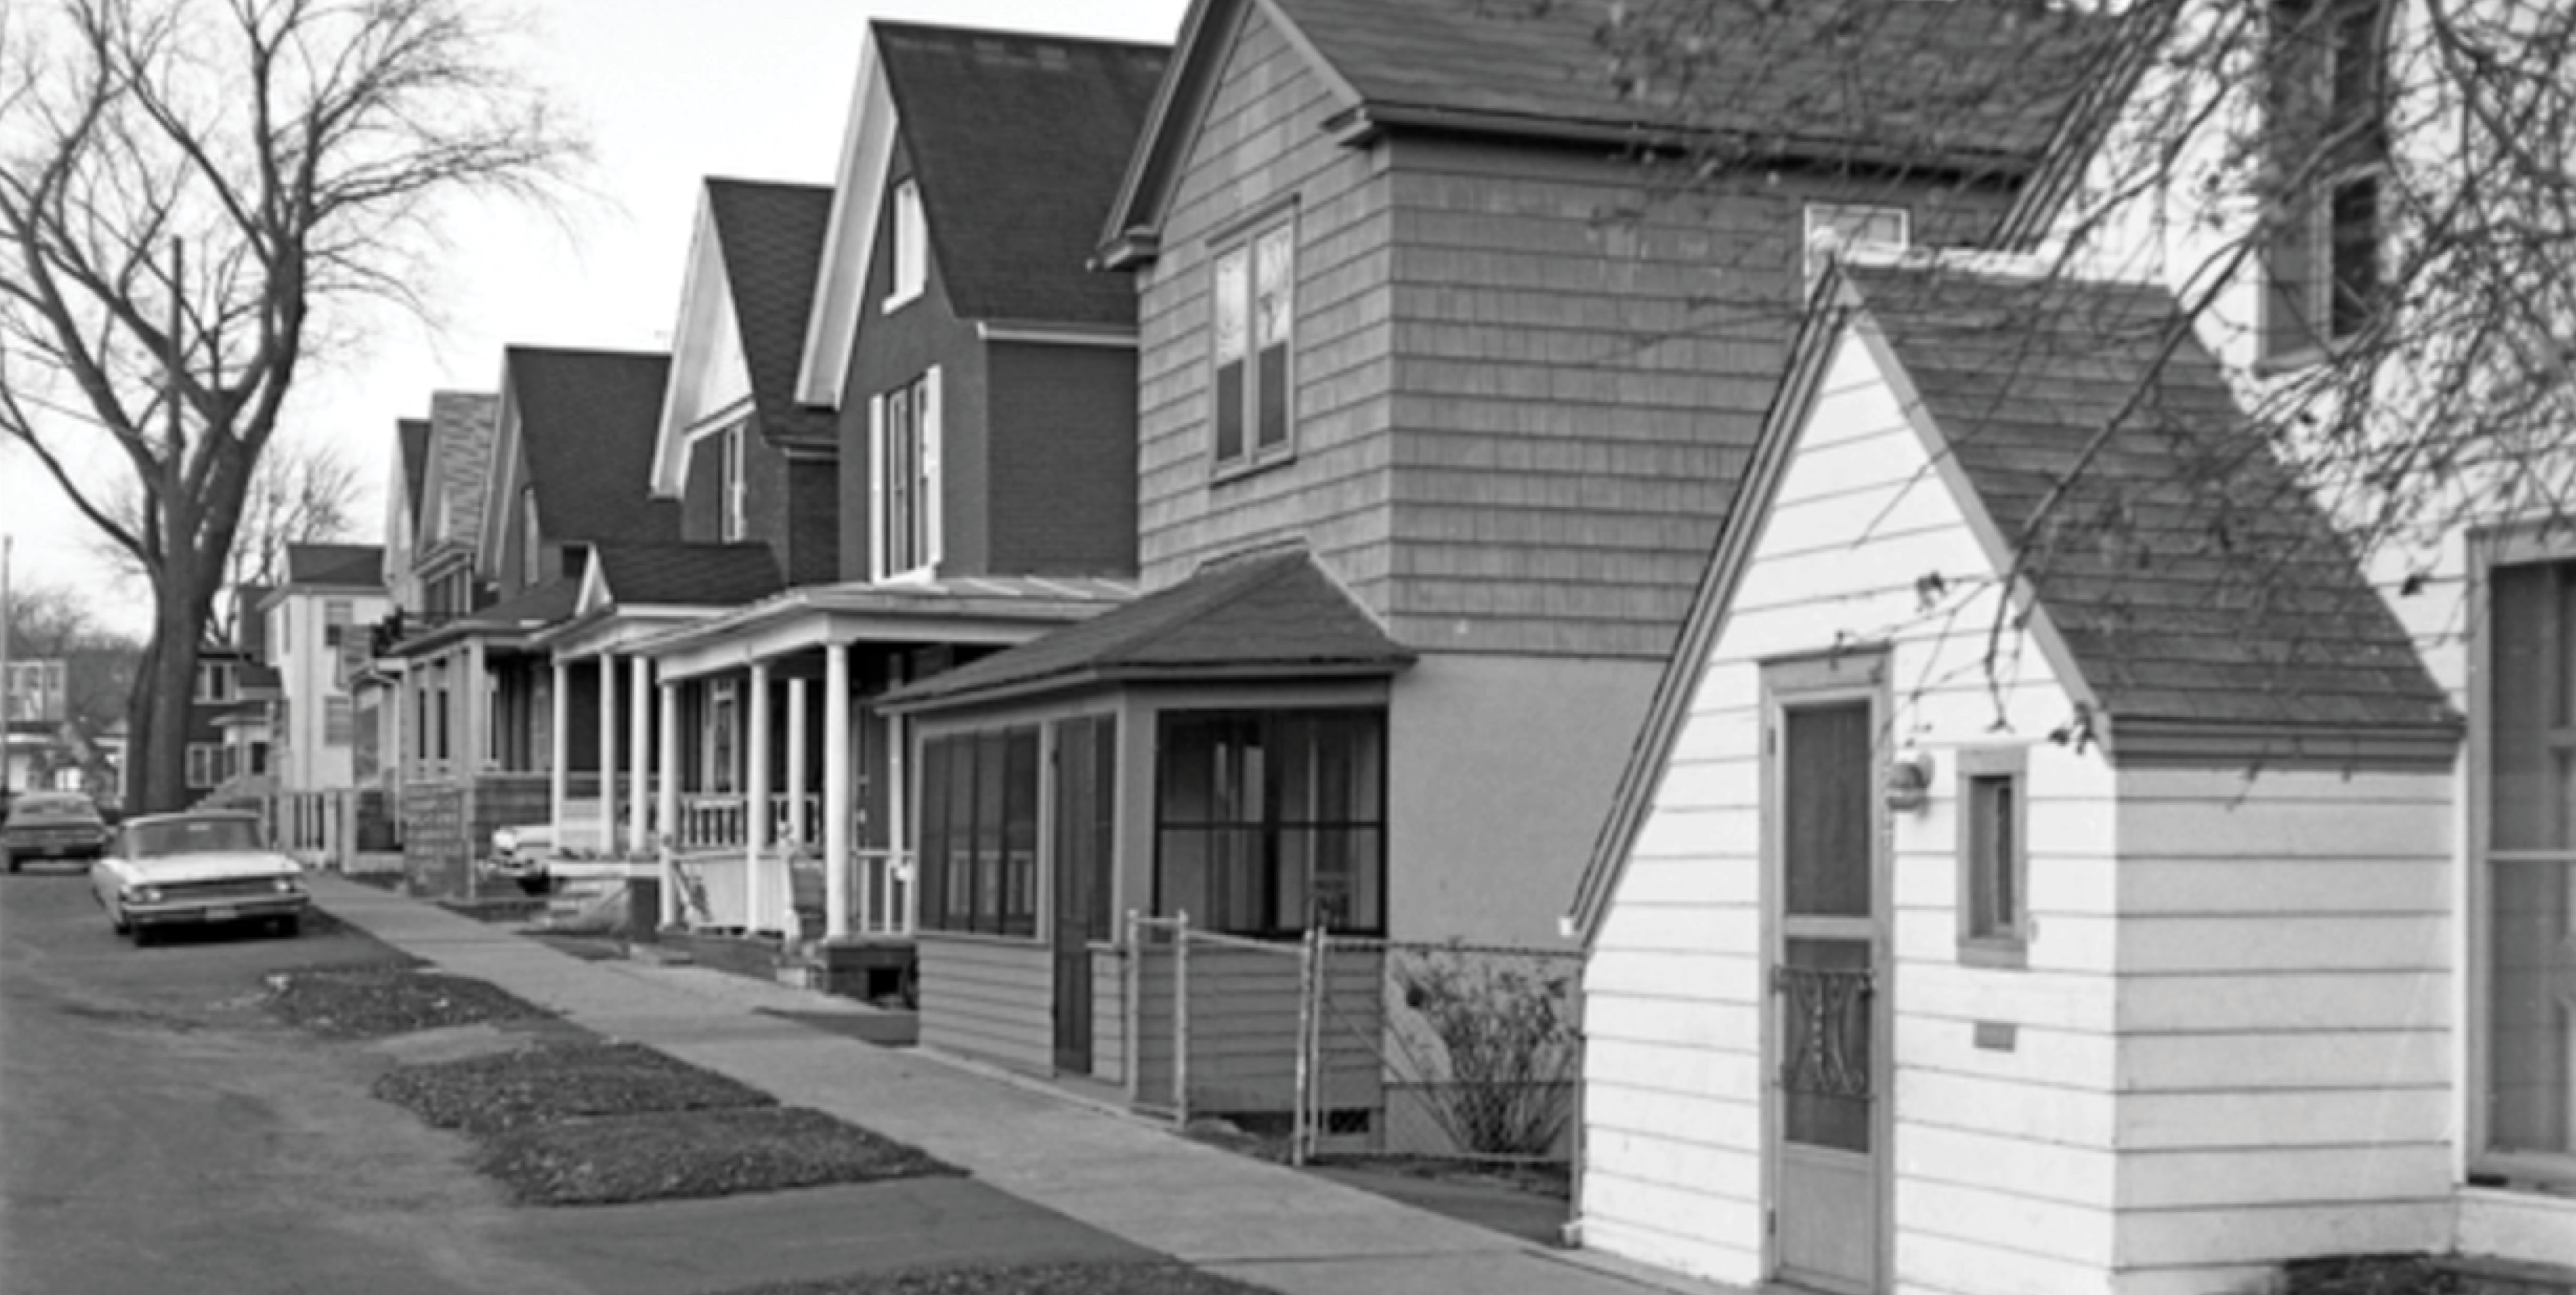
column 549, row 1084
column 374, row 1000
column 1021, row 1279
column 672, row 1156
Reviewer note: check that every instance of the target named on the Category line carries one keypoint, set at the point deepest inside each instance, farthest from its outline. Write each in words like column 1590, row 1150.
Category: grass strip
column 692, row 1154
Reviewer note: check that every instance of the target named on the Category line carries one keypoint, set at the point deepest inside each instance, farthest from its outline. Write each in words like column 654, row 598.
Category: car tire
column 11, row 860
column 141, row 934
column 290, row 927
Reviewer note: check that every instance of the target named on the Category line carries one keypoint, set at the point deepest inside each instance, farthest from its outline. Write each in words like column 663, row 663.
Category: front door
column 1085, row 764
column 1828, row 991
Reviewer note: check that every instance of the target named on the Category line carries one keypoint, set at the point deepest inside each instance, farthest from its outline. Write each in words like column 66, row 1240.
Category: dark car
column 51, row 825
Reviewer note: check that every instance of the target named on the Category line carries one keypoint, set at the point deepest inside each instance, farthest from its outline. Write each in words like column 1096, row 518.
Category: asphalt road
column 160, row 1132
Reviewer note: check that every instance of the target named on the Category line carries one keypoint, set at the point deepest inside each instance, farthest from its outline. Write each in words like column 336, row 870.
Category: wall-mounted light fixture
column 1909, row 780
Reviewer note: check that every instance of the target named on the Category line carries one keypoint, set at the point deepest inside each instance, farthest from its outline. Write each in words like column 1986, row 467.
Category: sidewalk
column 1256, row 1222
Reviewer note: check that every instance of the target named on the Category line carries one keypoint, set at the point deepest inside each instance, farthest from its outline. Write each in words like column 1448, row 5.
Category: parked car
column 196, row 868
column 51, row 825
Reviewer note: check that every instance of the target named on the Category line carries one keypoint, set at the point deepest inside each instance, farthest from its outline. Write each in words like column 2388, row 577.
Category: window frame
column 2489, row 549
column 2297, row 320
column 209, row 673
column 908, row 239
column 1246, row 240
column 1005, row 894
column 2008, row 944
column 205, row 764
column 1816, row 219
column 1269, row 827
column 917, row 411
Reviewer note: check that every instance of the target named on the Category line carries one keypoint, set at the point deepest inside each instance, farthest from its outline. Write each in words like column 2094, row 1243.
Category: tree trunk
column 165, row 689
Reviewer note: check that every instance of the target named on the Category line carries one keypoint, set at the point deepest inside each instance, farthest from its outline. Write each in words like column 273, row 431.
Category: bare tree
column 52, row 622
column 304, row 493
column 2367, row 207
column 191, row 190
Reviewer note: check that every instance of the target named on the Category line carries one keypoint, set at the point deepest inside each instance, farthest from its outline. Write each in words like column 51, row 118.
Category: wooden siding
column 1262, row 142
column 1243, row 1030
column 1109, row 1014
column 2320, row 1121
column 2003, row 1160
column 989, row 998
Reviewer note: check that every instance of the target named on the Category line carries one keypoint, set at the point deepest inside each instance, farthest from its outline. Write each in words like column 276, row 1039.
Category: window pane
column 1826, row 824
column 1233, row 321
column 2531, row 651
column 1182, row 886
column 959, row 903
column 1020, row 835
column 1276, row 288
column 1189, row 761
column 2353, row 241
column 1228, row 409
column 937, row 774
column 991, row 778
column 2531, row 1049
column 1272, row 387
column 1992, row 904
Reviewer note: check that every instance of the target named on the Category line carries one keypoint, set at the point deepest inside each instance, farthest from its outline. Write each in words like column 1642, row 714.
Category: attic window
column 2326, row 138
column 911, row 254
column 1255, row 316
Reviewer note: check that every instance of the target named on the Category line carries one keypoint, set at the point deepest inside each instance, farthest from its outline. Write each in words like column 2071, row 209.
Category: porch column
column 755, row 817
column 669, row 813
column 639, row 717
column 899, row 814
column 836, row 791
column 559, row 760
column 798, row 830
column 476, row 700
column 607, row 750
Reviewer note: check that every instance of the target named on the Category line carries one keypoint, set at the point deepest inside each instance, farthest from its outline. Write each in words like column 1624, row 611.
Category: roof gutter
column 1116, row 675
column 1363, row 124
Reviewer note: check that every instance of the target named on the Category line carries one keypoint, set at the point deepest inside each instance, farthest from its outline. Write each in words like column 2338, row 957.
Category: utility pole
column 8, row 630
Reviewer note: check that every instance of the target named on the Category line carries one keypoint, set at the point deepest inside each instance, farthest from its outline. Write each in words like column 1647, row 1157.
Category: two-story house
column 1439, row 407
column 980, row 387
column 567, row 470
column 2063, row 856
column 318, row 638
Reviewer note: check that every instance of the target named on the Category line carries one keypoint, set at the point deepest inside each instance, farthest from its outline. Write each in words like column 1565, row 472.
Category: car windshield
column 35, row 805
column 190, row 836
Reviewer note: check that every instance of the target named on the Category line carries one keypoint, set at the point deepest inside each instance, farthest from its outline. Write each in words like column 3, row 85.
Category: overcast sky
column 670, row 91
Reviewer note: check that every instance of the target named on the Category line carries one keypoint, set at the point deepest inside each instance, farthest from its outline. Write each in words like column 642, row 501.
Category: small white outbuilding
column 2037, row 876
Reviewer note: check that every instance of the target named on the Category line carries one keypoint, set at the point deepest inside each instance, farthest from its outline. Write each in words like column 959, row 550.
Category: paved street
column 160, row 1132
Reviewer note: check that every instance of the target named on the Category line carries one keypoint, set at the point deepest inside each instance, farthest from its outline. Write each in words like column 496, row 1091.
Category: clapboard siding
column 2004, row 1178
column 1243, row 1028
column 2285, row 955
column 1109, row 1014
column 989, row 999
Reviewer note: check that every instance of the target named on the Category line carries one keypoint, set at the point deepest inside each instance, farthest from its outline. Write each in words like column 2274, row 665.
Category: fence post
column 1135, row 974
column 1181, row 1018
column 1301, row 1124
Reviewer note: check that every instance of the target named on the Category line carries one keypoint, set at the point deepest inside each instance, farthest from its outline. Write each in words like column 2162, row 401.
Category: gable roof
column 771, row 239
column 462, row 425
column 1273, row 613
column 411, row 439
column 586, row 422
column 337, row 565
column 1974, row 86
column 690, row 575
column 1016, row 142
column 2183, row 585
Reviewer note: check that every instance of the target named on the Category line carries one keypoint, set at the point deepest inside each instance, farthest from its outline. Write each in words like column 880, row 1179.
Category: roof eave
column 1117, row 674
column 2149, row 741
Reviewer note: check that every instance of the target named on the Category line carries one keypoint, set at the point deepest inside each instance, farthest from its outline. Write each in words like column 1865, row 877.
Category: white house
column 318, row 623
column 2134, row 900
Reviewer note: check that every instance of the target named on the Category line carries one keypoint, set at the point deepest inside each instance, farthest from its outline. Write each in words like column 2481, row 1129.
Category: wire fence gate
column 1347, row 1047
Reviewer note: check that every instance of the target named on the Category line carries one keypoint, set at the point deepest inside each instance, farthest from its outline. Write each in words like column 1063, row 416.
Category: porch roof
column 982, row 610
column 1275, row 613
column 512, row 619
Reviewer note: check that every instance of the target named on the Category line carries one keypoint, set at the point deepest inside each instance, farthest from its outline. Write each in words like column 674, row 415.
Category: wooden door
column 1828, row 1036
column 1085, row 765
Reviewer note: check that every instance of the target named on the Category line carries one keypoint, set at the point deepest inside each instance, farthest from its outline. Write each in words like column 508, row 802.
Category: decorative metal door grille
column 1826, row 1014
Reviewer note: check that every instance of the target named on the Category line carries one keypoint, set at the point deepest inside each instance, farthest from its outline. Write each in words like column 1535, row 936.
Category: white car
column 193, row 869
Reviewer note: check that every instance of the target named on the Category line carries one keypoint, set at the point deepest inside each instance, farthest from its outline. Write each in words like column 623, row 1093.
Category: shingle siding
column 1063, row 479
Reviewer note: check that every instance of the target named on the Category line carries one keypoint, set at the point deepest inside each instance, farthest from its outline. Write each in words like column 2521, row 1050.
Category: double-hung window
column 903, row 479
column 1271, row 821
column 1255, row 323
column 2326, row 138
column 2528, row 931
column 205, row 764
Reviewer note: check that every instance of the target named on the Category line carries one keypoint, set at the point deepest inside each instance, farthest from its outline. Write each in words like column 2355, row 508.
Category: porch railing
column 881, row 893
column 710, row 820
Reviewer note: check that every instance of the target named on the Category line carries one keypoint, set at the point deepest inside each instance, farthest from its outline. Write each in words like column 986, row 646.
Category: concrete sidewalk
column 1257, row 1222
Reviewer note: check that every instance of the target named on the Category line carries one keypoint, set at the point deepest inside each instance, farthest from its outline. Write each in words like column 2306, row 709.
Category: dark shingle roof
column 1018, row 142
column 587, row 426
column 1965, row 80
column 1271, row 611
column 770, row 238
column 696, row 575
column 535, row 605
column 411, row 437
column 2192, row 577
column 335, row 564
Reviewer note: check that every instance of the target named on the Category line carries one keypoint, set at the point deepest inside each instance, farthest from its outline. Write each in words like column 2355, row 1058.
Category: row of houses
column 1316, row 476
